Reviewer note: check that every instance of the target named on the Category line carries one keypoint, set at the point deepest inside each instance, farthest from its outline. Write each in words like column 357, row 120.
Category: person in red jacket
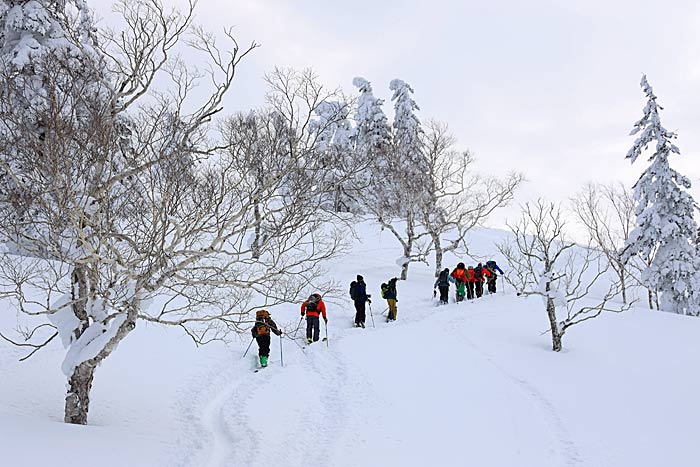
column 471, row 281
column 480, row 273
column 312, row 308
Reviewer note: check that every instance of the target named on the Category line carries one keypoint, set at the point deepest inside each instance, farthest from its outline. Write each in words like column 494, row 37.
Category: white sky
column 547, row 88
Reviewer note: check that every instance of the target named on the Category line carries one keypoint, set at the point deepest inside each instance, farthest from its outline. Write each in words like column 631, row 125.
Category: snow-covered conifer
column 409, row 153
column 407, row 185
column 373, row 131
column 665, row 211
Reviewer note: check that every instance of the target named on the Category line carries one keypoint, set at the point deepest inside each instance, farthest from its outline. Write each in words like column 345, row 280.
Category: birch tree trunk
column 80, row 381
column 438, row 252
column 623, row 282
column 408, row 245
column 78, row 396
column 257, row 241
column 552, row 315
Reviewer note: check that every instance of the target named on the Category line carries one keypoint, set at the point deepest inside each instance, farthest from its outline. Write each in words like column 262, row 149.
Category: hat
column 359, row 278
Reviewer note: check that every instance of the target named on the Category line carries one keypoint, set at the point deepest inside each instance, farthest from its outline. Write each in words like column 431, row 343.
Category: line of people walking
column 469, row 281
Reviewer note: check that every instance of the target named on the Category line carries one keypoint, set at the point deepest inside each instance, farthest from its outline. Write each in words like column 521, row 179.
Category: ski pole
column 370, row 313
column 298, row 326
column 281, row 354
column 246, row 350
column 326, row 323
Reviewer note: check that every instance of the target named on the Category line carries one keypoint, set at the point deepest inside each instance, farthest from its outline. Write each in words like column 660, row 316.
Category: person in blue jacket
column 493, row 277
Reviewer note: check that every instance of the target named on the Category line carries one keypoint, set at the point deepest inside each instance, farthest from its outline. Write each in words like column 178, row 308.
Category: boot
column 263, row 361
column 309, row 340
column 362, row 325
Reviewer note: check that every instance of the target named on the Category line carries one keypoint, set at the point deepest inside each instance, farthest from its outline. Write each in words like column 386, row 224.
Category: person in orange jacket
column 460, row 276
column 312, row 308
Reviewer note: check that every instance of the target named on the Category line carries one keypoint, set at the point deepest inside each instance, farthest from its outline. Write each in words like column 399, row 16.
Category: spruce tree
column 664, row 212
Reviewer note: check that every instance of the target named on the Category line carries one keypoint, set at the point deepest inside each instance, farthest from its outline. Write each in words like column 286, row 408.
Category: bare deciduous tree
column 118, row 210
column 607, row 213
column 460, row 199
column 546, row 264
column 319, row 137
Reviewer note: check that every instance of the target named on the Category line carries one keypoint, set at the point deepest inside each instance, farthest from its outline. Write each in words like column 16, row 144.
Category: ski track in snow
column 226, row 420
column 567, row 450
column 335, row 377
column 234, row 443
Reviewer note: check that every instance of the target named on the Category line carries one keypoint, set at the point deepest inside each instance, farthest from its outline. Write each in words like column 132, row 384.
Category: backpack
column 312, row 303
column 384, row 289
column 443, row 279
column 353, row 290
column 491, row 266
column 478, row 273
column 261, row 317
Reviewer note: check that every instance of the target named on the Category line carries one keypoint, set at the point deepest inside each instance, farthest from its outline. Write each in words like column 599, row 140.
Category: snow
column 64, row 319
column 464, row 384
column 91, row 343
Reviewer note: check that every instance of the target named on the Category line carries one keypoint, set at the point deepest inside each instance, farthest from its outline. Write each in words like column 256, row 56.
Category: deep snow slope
column 470, row 384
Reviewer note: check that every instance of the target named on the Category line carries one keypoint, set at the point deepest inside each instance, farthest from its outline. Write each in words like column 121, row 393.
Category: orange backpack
column 261, row 317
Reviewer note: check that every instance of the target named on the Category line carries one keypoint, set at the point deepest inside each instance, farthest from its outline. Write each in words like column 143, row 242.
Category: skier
column 389, row 293
column 460, row 276
column 492, row 267
column 311, row 308
column 443, row 282
column 261, row 332
column 479, row 274
column 471, row 282
column 358, row 293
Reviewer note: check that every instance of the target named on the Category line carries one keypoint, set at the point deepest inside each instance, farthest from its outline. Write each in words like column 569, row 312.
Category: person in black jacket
column 358, row 293
column 261, row 332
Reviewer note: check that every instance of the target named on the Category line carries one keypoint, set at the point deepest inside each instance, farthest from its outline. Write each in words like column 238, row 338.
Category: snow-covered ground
column 465, row 384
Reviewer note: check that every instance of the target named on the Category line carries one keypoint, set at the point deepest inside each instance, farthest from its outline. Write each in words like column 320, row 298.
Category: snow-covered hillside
column 465, row 384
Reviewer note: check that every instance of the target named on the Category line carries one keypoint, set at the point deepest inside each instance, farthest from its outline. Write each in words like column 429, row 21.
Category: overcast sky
column 547, row 88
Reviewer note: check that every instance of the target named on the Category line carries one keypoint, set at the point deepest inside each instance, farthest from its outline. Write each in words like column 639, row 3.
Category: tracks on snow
column 566, row 451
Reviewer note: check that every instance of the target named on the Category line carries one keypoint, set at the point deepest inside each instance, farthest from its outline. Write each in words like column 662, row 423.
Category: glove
column 368, row 300
column 325, row 320
column 434, row 293
column 302, row 315
column 280, row 334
